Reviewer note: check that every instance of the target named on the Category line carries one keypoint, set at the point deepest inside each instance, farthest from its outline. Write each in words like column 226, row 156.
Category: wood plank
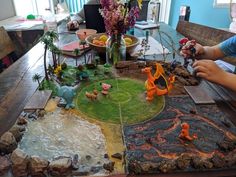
column 38, row 100
column 16, row 86
column 199, row 95
column 6, row 44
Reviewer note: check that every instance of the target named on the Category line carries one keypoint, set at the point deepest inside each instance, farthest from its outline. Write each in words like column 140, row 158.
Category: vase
column 115, row 49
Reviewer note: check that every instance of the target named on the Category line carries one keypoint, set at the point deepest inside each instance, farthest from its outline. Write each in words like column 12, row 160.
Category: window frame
column 216, row 4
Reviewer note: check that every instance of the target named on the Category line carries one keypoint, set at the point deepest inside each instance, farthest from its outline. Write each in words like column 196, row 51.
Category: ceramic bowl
column 102, row 49
column 83, row 33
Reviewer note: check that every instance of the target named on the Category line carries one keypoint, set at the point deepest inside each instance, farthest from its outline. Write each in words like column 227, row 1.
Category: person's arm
column 202, row 52
column 209, row 70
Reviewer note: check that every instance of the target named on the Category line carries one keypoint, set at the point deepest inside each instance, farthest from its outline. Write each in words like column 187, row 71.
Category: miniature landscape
column 133, row 117
column 76, row 136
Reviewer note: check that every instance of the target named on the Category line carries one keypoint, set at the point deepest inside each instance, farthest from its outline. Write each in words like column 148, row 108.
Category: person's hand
column 187, row 53
column 72, row 25
column 208, row 69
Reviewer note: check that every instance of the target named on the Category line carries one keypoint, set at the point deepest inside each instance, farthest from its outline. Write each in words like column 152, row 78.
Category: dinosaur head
column 147, row 70
column 185, row 125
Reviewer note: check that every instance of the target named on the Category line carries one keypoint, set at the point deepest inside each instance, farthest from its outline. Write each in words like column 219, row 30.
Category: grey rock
column 96, row 169
column 60, row 167
column 200, row 163
column 117, row 156
column 4, row 165
column 167, row 166
column 40, row 113
column 109, row 166
column 82, row 171
column 22, row 121
column 38, row 166
column 7, row 143
column 88, row 157
column 183, row 161
column 106, row 156
column 17, row 132
column 75, row 162
column 20, row 162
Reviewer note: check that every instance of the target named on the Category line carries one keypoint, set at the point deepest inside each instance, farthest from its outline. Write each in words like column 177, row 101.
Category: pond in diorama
column 110, row 120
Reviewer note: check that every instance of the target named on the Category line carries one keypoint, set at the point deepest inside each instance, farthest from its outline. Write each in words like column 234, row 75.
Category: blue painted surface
column 202, row 12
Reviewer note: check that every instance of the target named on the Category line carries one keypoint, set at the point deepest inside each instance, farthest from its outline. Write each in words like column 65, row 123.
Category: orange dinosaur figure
column 184, row 134
column 150, row 85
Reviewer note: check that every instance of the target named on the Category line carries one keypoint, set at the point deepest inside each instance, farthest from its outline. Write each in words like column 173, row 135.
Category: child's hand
column 209, row 70
column 187, row 53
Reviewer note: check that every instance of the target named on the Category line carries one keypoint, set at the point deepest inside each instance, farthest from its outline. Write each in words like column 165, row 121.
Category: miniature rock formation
column 38, row 166
column 5, row 165
column 7, row 143
column 20, row 162
column 60, row 167
column 109, row 166
column 117, row 156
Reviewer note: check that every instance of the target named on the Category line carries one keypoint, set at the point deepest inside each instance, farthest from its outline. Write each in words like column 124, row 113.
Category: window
column 35, row 7
column 221, row 3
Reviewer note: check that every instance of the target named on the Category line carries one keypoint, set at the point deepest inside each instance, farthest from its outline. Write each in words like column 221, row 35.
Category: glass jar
column 115, row 49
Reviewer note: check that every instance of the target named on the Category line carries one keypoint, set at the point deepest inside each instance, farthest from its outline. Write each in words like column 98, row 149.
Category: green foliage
column 126, row 99
column 50, row 85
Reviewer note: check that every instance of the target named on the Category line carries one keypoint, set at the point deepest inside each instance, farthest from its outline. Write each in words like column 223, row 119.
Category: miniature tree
column 76, row 52
column 47, row 39
column 37, row 78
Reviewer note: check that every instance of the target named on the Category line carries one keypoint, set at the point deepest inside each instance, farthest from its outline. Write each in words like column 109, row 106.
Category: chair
column 93, row 18
column 6, row 49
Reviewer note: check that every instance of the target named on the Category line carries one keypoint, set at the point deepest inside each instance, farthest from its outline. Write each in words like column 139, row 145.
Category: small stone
column 17, row 132
column 75, row 162
column 88, row 157
column 32, row 116
column 230, row 159
column 20, row 162
column 149, row 167
column 22, row 121
column 4, row 165
column 82, row 171
column 60, row 167
column 193, row 111
column 117, row 156
column 226, row 145
column 218, row 161
column 183, row 161
column 200, row 163
column 96, row 169
column 40, row 113
column 167, row 166
column 106, row 156
column 38, row 166
column 109, row 166
column 7, row 143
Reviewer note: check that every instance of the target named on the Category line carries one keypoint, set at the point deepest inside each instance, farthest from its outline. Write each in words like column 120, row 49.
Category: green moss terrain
column 124, row 104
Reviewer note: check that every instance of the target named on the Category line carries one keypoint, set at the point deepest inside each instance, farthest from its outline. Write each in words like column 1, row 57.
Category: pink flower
column 117, row 16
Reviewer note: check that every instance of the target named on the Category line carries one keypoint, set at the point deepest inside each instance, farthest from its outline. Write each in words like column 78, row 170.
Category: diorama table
column 16, row 87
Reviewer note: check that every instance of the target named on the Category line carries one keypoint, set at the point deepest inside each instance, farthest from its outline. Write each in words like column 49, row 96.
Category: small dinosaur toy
column 184, row 134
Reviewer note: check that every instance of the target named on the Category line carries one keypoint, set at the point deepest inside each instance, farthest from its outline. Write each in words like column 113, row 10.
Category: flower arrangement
column 119, row 16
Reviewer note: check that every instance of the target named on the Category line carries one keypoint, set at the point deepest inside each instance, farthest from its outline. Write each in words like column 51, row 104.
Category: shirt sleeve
column 228, row 47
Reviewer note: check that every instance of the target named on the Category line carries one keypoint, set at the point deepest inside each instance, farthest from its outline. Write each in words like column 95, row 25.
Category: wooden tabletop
column 16, row 87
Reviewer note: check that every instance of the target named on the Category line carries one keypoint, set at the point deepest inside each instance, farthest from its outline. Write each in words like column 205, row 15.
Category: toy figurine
column 92, row 96
column 151, row 81
column 105, row 88
column 186, row 44
column 184, row 134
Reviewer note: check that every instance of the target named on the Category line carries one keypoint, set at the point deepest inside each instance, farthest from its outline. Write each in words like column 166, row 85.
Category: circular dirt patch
column 125, row 102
